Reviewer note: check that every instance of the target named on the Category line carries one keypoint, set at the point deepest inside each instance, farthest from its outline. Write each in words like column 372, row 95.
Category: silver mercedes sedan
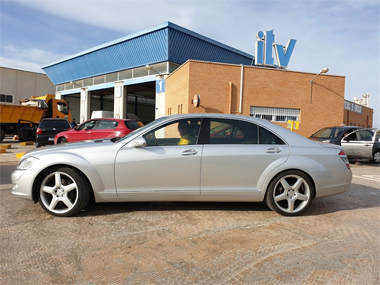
column 192, row 157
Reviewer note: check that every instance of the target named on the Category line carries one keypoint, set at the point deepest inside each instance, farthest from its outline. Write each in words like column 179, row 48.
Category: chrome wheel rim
column 59, row 192
column 291, row 194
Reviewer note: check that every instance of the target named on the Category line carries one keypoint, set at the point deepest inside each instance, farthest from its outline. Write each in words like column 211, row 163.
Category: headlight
column 27, row 162
column 326, row 141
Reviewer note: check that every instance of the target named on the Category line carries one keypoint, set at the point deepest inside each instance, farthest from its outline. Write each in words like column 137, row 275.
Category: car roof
column 344, row 127
column 111, row 119
column 53, row 119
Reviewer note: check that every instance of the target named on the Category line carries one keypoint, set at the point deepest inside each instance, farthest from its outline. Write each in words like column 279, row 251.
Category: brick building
column 272, row 94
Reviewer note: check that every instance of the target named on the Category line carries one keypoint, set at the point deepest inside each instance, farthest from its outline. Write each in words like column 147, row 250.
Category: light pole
column 323, row 70
column 76, row 84
column 151, row 68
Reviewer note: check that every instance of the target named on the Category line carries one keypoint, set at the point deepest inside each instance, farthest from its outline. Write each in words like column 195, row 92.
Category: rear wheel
column 290, row 193
column 64, row 192
column 376, row 157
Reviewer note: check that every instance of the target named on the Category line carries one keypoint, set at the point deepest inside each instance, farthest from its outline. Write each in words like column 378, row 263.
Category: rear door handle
column 274, row 150
column 190, row 152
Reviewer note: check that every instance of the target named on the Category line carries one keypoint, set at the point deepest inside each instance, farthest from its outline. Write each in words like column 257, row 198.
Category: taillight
column 344, row 158
column 39, row 131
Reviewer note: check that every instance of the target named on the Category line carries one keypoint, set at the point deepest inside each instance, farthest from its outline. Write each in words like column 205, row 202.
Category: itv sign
column 263, row 53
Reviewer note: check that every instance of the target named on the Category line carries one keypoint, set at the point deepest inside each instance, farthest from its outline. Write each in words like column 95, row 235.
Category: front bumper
column 22, row 183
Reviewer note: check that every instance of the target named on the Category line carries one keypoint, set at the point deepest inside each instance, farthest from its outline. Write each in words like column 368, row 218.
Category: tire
column 376, row 157
column 290, row 193
column 62, row 140
column 63, row 192
column 2, row 134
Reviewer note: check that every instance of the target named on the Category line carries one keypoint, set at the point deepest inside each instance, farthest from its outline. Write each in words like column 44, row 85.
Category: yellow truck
column 22, row 120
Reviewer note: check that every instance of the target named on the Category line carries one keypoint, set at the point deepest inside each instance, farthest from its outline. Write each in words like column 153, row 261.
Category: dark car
column 362, row 143
column 48, row 128
column 333, row 134
column 100, row 128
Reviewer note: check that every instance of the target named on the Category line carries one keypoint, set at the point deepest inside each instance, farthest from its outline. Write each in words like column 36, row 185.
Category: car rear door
column 359, row 144
column 232, row 164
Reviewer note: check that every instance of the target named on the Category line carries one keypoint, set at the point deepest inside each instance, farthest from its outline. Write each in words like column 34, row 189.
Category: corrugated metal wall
column 183, row 46
column 147, row 49
column 169, row 42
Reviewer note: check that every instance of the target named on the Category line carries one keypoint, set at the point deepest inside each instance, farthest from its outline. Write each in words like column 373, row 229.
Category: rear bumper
column 340, row 183
column 44, row 140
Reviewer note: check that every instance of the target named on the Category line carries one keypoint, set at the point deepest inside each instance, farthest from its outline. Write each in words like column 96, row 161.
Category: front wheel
column 376, row 157
column 64, row 192
column 62, row 140
column 290, row 193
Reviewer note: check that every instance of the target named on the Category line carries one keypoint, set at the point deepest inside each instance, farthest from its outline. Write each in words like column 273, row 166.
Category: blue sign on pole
column 160, row 86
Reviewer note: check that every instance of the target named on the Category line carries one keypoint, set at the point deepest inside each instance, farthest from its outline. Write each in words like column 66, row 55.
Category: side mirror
column 138, row 142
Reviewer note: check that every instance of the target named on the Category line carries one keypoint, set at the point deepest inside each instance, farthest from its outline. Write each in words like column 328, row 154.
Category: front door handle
column 274, row 150
column 190, row 152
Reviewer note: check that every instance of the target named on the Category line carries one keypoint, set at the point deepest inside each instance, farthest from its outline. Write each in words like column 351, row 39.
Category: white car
column 193, row 157
column 362, row 143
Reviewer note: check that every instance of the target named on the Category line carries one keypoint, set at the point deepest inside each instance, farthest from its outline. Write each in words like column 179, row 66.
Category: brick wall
column 363, row 119
column 218, row 86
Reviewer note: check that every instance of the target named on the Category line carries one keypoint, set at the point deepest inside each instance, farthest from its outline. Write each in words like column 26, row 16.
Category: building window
column 275, row 114
column 6, row 98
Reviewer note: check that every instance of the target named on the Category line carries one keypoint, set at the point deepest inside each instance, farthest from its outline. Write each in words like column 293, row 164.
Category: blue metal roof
column 165, row 42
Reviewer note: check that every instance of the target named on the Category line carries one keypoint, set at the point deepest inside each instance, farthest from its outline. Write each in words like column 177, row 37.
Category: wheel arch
column 62, row 137
column 39, row 177
column 286, row 170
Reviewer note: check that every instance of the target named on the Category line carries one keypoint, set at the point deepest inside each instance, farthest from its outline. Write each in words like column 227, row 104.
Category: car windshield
column 329, row 133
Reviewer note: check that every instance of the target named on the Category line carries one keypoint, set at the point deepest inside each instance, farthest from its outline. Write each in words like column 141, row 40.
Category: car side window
column 180, row 132
column 363, row 135
column 87, row 125
column 267, row 137
column 106, row 124
column 226, row 131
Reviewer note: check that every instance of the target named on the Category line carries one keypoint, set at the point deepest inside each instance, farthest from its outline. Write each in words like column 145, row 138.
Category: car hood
column 74, row 147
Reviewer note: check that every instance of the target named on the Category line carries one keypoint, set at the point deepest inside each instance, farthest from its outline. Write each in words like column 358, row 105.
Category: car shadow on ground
column 350, row 200
column 102, row 209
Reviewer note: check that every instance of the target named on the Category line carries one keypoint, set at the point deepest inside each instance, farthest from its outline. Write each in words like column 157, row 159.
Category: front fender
column 45, row 162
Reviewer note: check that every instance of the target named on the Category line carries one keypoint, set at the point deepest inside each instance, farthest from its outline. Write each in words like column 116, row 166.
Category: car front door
column 359, row 144
column 82, row 132
column 162, row 170
column 233, row 163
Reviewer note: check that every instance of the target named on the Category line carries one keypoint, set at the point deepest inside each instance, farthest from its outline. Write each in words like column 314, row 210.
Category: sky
column 343, row 35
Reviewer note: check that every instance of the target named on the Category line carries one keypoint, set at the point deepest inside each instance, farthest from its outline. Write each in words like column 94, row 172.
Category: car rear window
column 54, row 124
column 107, row 124
column 329, row 133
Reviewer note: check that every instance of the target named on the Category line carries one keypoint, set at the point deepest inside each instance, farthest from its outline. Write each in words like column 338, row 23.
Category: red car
column 98, row 129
